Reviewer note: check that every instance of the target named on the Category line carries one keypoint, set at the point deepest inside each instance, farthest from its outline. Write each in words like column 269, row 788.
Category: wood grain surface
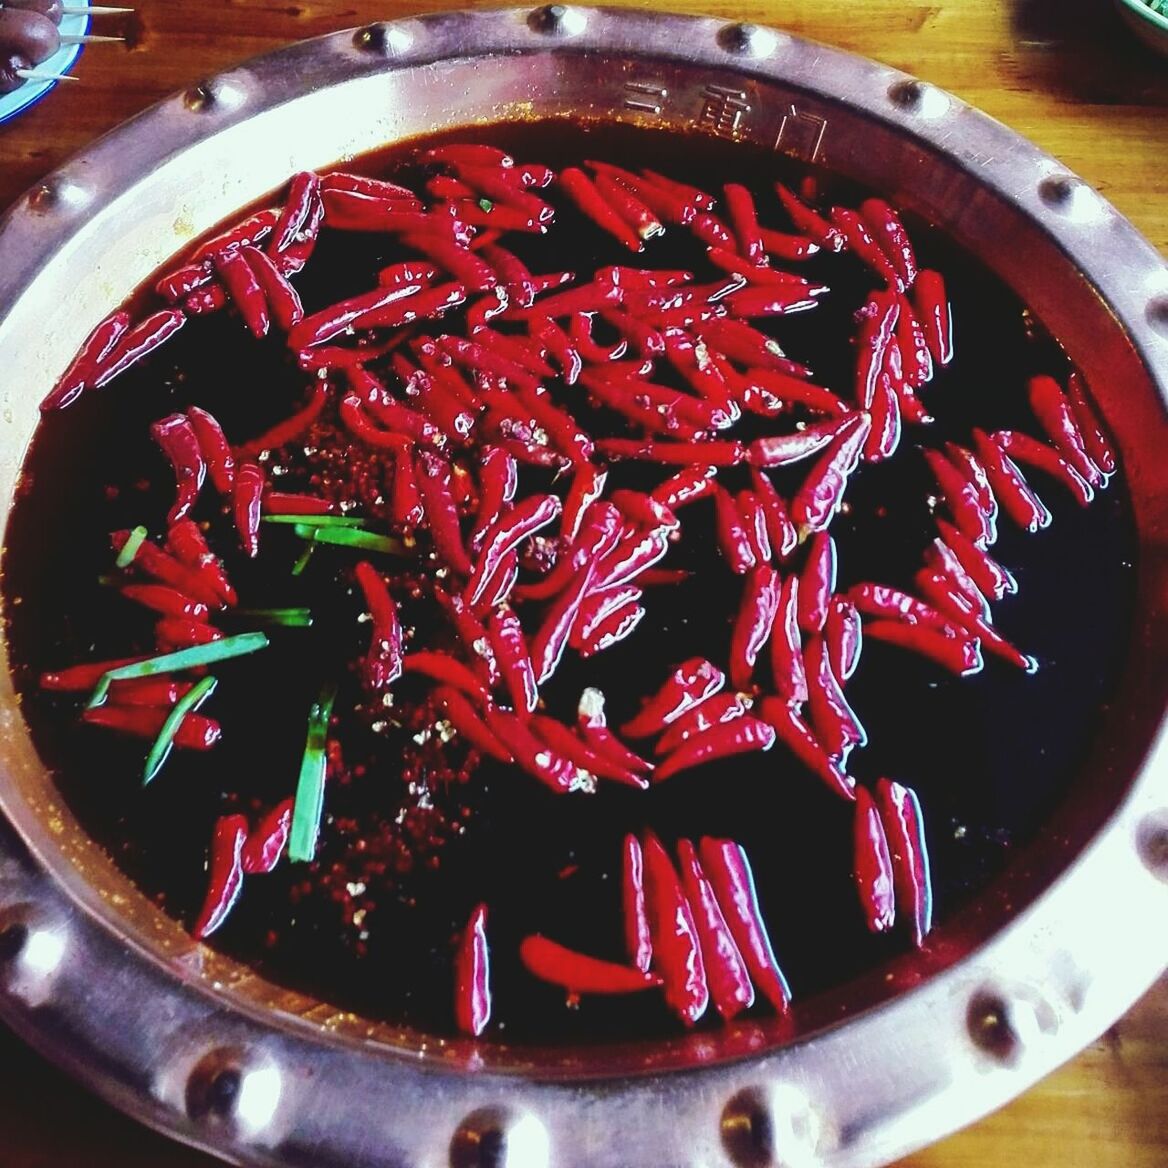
column 1064, row 73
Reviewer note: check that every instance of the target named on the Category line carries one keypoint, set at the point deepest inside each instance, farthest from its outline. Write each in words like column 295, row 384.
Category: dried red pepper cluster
column 525, row 577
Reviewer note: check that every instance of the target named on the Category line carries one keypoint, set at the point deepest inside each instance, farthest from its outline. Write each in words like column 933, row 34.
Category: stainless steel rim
column 194, row 1045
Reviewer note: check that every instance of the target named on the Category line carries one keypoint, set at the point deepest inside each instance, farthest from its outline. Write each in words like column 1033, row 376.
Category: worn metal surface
column 91, row 973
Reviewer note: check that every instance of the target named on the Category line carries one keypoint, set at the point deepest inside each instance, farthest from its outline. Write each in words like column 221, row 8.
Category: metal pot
column 188, row 1041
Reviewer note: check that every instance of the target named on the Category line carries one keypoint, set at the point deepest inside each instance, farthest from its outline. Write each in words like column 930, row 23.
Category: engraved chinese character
column 644, row 95
column 801, row 134
column 723, row 109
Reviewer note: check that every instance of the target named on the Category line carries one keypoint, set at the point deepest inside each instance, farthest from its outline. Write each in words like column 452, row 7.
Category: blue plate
column 60, row 62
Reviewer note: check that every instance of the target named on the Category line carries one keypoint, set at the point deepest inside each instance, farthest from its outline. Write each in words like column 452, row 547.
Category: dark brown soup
column 416, row 831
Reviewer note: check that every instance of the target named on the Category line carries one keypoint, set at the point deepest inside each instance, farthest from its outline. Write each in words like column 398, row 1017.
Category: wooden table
column 1064, row 74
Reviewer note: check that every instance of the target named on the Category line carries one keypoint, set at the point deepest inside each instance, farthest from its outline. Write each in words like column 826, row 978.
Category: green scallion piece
column 317, row 520
column 309, row 804
column 303, row 558
column 134, row 541
column 196, row 655
column 486, row 205
column 351, row 537
column 292, row 618
column 164, row 743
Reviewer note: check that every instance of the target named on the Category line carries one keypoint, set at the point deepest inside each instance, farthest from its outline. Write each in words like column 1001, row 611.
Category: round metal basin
column 103, row 982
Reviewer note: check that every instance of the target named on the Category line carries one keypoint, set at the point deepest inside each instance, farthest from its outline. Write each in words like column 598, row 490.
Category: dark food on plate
column 27, row 37
column 461, row 461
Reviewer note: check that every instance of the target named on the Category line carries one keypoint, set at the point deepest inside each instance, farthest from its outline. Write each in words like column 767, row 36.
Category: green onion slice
column 196, row 655
column 134, row 541
column 164, row 743
column 309, row 805
column 292, row 618
column 486, row 205
column 351, row 537
column 303, row 558
column 317, row 520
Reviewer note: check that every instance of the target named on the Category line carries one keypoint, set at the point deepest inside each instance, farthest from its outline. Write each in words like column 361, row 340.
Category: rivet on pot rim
column 771, row 1128
column 231, row 1088
column 57, row 193
column 1152, row 833
column 32, row 947
column 494, row 1137
column 918, row 98
column 747, row 40
column 557, row 20
column 1069, row 196
column 216, row 93
column 384, row 38
column 1157, row 314
column 1004, row 1026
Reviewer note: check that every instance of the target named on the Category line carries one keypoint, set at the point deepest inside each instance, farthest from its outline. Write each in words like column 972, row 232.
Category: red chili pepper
column 733, row 540
column 677, row 953
column 225, row 874
column 781, row 533
column 328, row 322
column 754, row 519
column 835, row 722
column 471, row 633
column 195, row 732
column 721, row 741
column 689, row 685
column 214, row 449
column 176, row 632
column 787, row 390
column 303, row 192
column 644, row 510
column 638, row 940
column 618, row 624
column 1095, row 439
column 552, row 639
column 176, row 436
column 686, row 486
column 407, row 272
column 472, row 976
column 843, row 637
column 510, row 651
column 293, row 258
column 147, row 691
column 940, row 555
column 635, row 553
column 264, row 846
column 900, row 815
column 1009, row 485
column 434, row 486
column 959, row 655
column 699, row 199
column 798, row 738
column 75, row 678
column 822, row 491
column 593, row 728
column 244, row 290
column 382, row 665
column 808, row 223
column 1053, row 410
column 547, row 333
column 498, row 481
column 987, row 575
column 246, row 501
column 446, row 670
column 568, row 745
column 877, row 327
column 787, row 670
column 872, row 865
column 283, row 300
column 466, row 722
column 879, row 600
column 632, row 209
column 774, row 300
column 205, row 300
column 592, row 204
column 744, row 343
column 186, row 542
column 136, row 343
column 711, row 230
column 180, row 283
column 591, row 353
column 728, row 977
column 667, row 204
column 916, row 359
column 752, row 627
column 578, row 973
column 780, row 245
column 512, row 273
column 499, row 187
column 970, row 466
column 728, row 868
column 532, row 754
column 860, row 242
column 248, row 231
column 884, row 437
column 713, row 453
column 152, row 560
column 889, row 233
column 784, row 449
column 559, row 426
column 83, row 369
column 505, row 534
column 962, row 498
column 945, row 595
column 290, row 429
column 587, row 486
column 406, row 503
column 744, row 220
column 817, row 582
column 166, row 600
column 932, row 304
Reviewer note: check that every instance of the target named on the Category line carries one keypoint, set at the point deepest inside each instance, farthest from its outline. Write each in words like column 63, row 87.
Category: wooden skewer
column 96, row 10
column 36, row 75
column 91, row 40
